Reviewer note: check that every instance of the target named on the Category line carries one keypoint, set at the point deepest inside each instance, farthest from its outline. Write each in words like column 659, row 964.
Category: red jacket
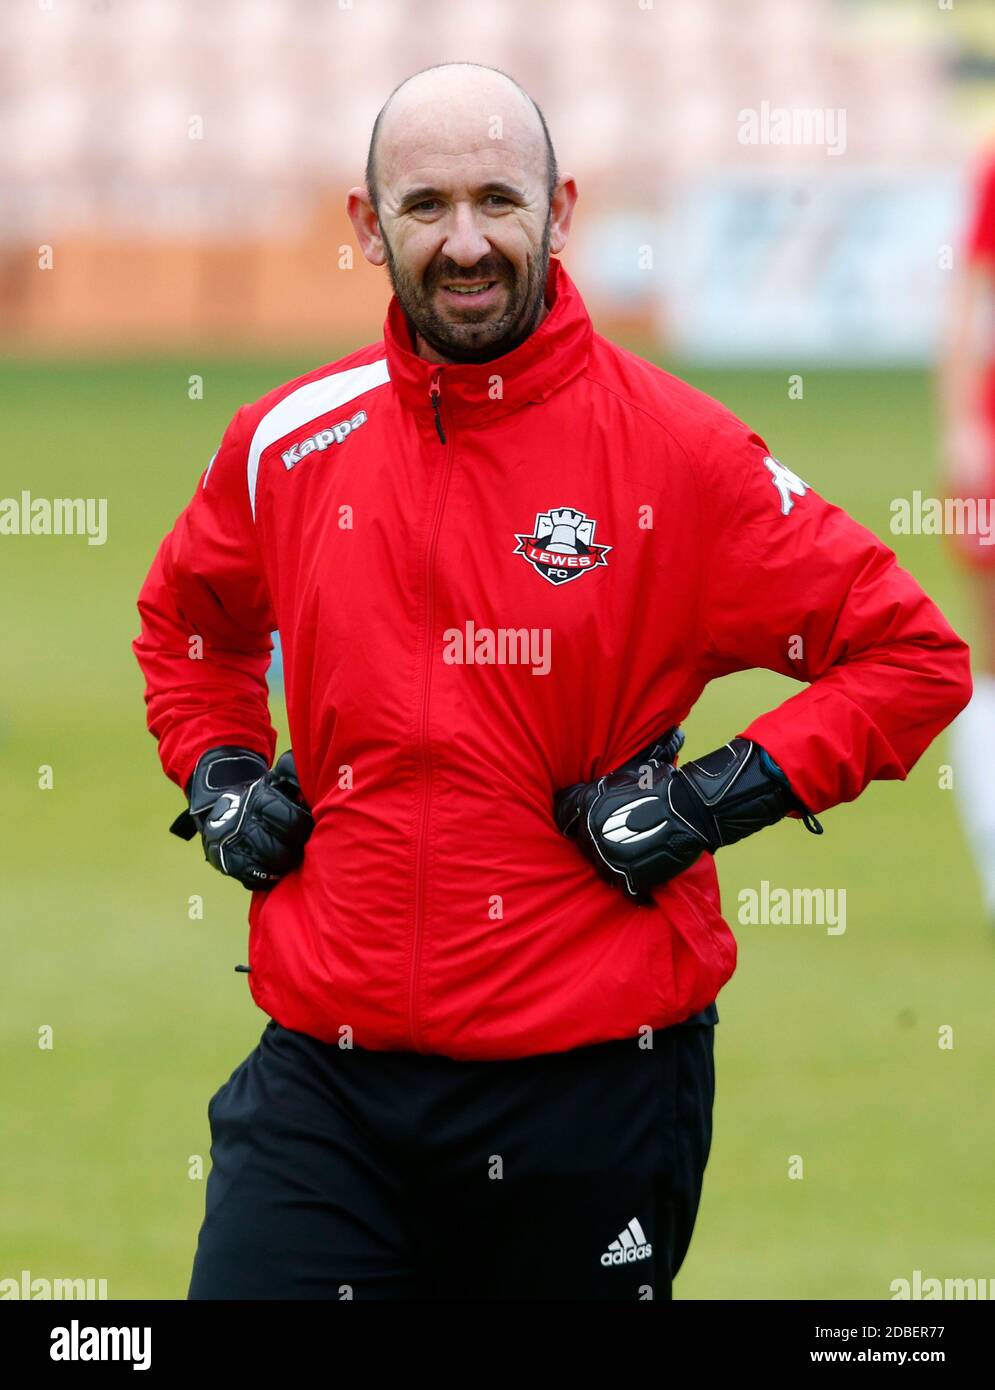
column 616, row 539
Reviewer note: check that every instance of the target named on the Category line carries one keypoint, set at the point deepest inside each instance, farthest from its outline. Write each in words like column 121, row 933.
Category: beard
column 474, row 335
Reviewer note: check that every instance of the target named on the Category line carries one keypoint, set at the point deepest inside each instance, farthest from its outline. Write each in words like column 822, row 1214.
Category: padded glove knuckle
column 253, row 821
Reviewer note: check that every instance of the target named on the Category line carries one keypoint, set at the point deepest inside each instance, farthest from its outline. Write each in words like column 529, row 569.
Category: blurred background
column 173, row 242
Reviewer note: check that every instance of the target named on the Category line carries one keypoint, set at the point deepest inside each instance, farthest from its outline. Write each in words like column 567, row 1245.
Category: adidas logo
column 630, row 1245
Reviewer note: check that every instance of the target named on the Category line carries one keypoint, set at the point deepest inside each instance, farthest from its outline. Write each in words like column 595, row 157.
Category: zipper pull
column 435, row 392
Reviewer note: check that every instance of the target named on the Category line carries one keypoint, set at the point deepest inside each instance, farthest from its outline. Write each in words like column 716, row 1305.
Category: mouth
column 477, row 292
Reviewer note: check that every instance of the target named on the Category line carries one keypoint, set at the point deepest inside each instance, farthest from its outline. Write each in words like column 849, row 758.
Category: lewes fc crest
column 562, row 545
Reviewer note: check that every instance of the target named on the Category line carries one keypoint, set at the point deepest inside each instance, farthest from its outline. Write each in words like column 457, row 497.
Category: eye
column 424, row 205
column 497, row 198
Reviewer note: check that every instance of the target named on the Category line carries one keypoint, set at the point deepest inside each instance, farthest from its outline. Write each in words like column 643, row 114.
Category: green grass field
column 827, row 1046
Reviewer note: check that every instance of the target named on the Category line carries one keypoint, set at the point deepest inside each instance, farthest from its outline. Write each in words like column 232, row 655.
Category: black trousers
column 343, row 1174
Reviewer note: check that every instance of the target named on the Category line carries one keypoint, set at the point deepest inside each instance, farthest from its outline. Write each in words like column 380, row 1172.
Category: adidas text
column 627, row 1257
column 629, row 1246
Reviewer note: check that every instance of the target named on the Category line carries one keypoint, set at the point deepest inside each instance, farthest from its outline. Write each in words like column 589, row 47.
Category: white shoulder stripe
column 307, row 403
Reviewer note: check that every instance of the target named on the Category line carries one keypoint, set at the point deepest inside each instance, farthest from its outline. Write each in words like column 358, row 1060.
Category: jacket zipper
column 435, row 395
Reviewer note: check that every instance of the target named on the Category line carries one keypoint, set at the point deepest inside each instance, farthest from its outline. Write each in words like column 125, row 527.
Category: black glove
column 252, row 821
column 648, row 821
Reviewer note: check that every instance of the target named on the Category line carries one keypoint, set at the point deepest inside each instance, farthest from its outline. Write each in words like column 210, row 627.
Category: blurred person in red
column 967, row 392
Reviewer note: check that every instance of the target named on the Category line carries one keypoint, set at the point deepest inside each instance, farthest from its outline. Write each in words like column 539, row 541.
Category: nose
column 465, row 243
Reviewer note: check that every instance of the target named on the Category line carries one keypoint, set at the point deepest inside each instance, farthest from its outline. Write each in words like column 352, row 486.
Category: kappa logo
column 788, row 484
column 335, row 434
column 562, row 545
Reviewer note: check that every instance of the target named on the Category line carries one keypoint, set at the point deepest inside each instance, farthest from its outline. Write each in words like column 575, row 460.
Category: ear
column 562, row 208
column 366, row 225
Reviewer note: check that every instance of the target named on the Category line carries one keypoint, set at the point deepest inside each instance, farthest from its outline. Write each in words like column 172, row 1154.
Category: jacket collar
column 556, row 352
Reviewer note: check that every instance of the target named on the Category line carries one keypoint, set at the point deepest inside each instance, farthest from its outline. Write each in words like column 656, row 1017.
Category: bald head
column 464, row 204
column 458, row 102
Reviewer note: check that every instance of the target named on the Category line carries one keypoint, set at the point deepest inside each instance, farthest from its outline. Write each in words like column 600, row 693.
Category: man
column 505, row 557
column 967, row 385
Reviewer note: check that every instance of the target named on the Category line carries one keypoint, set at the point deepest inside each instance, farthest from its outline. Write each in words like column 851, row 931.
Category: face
column 468, row 263
column 464, row 221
